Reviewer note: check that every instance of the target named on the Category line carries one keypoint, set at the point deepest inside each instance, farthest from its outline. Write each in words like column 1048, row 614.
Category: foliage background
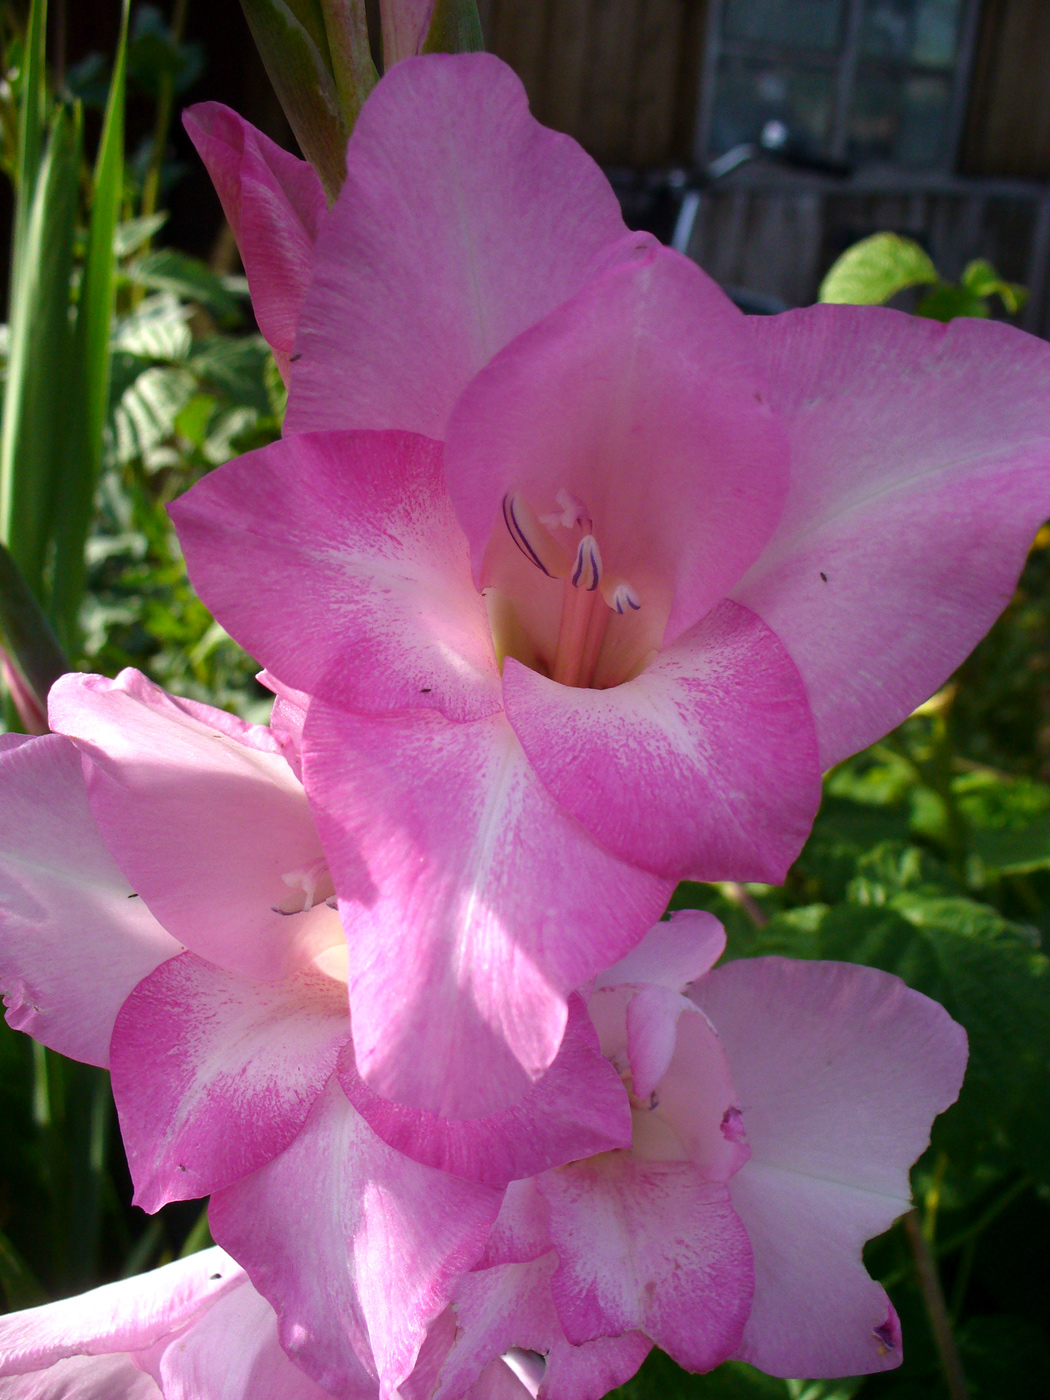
column 930, row 857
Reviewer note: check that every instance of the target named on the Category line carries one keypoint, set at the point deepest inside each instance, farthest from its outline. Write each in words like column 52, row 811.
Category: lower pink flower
column 777, row 1107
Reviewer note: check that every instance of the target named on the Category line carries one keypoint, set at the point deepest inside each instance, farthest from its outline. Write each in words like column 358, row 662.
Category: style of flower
column 586, row 574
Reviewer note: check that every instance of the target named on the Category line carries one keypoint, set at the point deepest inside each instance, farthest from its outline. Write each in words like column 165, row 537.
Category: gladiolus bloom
column 587, row 575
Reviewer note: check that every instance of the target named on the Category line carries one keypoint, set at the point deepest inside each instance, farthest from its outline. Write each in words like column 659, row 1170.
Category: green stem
column 936, row 1308
column 165, row 103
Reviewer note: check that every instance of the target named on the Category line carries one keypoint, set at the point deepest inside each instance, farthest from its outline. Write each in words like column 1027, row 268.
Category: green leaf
column 91, row 357
column 17, row 1283
column 133, row 234
column 661, row 1379
column 1008, row 852
column 947, row 302
column 26, row 633
column 298, row 67
column 33, row 443
column 981, row 278
column 168, row 270
column 455, row 27
column 32, row 119
column 876, row 269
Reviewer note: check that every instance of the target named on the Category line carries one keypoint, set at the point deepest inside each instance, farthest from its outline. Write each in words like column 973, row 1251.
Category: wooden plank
column 661, row 36
column 561, row 103
column 519, row 37
column 608, row 114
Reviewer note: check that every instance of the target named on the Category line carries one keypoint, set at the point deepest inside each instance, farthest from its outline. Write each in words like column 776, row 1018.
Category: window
column 866, row 80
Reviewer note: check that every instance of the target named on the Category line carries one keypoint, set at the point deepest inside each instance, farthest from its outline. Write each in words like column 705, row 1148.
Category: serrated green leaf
column 146, row 413
column 1007, row 852
column 168, row 270
column 132, row 234
column 876, row 269
column 158, row 329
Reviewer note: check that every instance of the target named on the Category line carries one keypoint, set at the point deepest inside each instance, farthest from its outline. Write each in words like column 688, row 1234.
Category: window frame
column 843, row 63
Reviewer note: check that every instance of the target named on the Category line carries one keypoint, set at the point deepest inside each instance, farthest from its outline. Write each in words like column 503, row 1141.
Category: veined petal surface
column 336, row 559
column 920, row 472
column 74, row 938
column 213, row 1075
column 357, row 1247
column 204, row 816
column 461, row 222
column 486, row 905
column 840, row 1070
column 703, row 767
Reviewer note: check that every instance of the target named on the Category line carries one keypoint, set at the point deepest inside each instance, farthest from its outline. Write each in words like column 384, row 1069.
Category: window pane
column 916, row 31
column 900, row 119
column 749, row 94
column 937, row 32
column 800, row 24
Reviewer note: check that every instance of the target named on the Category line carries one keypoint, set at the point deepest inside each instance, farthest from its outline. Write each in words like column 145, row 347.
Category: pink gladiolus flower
column 164, row 910
column 782, row 1099
column 587, row 575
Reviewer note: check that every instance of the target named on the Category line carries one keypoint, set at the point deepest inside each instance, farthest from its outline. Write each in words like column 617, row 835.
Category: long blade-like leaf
column 32, row 118
column 37, row 387
column 91, row 359
column 26, row 633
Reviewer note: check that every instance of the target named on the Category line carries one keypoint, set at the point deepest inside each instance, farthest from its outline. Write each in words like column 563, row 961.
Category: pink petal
column 840, row 1071
column 336, row 558
column 462, row 221
column 74, row 940
column 233, row 1353
column 674, row 952
column 287, row 719
column 511, row 1307
column 576, row 1109
column 204, row 817
column 649, row 1247
column 357, row 1248
column 274, row 204
column 487, row 904
column 703, row 767
column 919, row 476
column 119, row 1317
column 695, row 1094
column 653, row 418
column 85, row 1378
column 213, row 1076
column 522, row 1229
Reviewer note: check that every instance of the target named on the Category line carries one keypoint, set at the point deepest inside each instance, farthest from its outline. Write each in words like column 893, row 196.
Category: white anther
column 587, row 571
column 624, row 599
